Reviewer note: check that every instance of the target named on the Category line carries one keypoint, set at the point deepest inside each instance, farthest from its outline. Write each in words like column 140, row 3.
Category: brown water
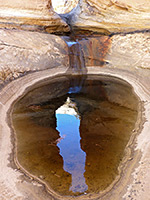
column 72, row 131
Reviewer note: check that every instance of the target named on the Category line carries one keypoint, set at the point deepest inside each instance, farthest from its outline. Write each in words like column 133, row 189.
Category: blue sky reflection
column 74, row 157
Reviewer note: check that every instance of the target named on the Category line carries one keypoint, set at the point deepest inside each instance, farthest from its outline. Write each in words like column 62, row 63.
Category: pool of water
column 72, row 131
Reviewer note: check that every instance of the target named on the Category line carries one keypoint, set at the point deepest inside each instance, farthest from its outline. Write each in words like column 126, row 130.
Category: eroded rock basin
column 78, row 148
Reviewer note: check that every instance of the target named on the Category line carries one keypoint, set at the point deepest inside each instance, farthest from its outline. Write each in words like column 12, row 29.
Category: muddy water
column 72, row 131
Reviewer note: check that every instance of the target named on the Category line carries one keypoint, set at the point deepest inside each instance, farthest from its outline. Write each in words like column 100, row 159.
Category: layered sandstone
column 111, row 15
column 95, row 15
column 31, row 15
column 22, row 52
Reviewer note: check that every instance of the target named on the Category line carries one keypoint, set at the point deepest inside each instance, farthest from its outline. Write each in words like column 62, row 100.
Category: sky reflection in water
column 74, row 157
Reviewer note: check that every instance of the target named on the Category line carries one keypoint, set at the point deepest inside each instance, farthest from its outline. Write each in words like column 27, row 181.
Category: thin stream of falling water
column 76, row 56
column 84, row 52
column 77, row 64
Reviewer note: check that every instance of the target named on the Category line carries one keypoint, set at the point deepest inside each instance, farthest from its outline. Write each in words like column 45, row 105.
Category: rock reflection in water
column 105, row 112
column 68, row 122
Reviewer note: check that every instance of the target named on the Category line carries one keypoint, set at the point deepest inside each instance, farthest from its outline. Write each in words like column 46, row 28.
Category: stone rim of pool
column 109, row 188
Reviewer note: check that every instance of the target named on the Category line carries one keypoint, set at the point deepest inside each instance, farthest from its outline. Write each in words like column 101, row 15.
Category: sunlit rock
column 30, row 15
column 22, row 52
column 133, row 51
column 111, row 15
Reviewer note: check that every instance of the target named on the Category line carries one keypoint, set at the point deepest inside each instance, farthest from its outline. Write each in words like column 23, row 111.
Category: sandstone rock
column 31, row 15
column 111, row 15
column 133, row 51
column 95, row 49
column 24, row 51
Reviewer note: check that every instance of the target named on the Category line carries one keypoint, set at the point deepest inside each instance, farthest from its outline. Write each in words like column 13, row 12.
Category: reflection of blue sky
column 75, row 89
column 73, row 156
column 70, row 43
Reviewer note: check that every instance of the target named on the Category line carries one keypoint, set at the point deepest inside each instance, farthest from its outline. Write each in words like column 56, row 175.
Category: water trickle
column 87, row 51
column 76, row 56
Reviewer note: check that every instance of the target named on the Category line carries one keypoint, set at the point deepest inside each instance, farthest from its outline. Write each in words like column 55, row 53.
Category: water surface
column 72, row 131
column 70, row 149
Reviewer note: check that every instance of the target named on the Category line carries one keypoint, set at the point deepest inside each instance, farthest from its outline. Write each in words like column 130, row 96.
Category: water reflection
column 76, row 84
column 68, row 123
column 94, row 140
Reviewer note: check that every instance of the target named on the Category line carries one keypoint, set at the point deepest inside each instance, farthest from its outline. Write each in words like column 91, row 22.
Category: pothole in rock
column 72, row 132
column 64, row 6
